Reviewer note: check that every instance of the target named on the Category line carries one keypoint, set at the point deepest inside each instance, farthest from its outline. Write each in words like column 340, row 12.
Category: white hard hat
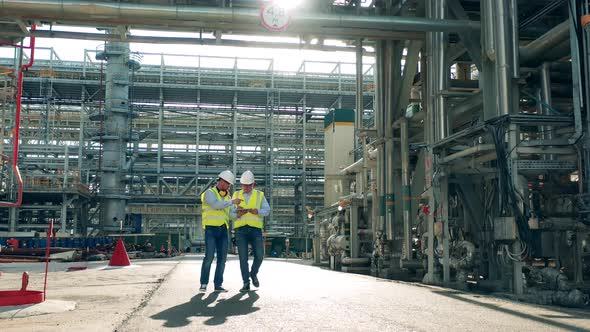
column 247, row 178
column 228, row 176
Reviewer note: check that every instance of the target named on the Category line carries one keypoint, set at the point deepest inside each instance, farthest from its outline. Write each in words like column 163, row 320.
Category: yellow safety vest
column 255, row 202
column 212, row 217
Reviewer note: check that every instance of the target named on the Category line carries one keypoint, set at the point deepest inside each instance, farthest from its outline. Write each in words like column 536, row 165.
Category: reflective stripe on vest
column 212, row 217
column 255, row 202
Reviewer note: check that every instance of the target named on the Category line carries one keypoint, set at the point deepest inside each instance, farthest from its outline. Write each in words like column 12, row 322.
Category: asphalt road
column 295, row 297
column 161, row 295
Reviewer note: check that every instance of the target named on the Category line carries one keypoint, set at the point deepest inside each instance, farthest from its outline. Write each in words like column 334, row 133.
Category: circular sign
column 275, row 17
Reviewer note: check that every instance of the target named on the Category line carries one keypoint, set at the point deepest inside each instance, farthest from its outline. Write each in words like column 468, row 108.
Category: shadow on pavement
column 536, row 318
column 199, row 306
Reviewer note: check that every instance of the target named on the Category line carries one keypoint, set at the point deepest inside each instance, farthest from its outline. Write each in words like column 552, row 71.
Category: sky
column 284, row 59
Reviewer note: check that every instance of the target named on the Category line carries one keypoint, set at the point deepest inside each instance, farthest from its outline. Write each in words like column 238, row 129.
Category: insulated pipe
column 179, row 40
column 356, row 167
column 358, row 123
column 359, row 88
column 19, row 96
column 489, row 43
column 515, row 38
column 467, row 152
column 503, row 72
column 230, row 18
column 388, row 151
column 546, row 90
column 536, row 49
column 576, row 81
column 378, row 195
column 406, row 192
column 373, row 154
column 430, row 123
column 442, row 75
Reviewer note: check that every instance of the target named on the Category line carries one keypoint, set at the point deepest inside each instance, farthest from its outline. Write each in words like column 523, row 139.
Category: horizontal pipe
column 535, row 50
column 180, row 40
column 467, row 152
column 213, row 18
column 356, row 167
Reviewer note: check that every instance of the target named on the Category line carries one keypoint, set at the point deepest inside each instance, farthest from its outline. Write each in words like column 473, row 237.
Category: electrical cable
column 542, row 103
column 509, row 200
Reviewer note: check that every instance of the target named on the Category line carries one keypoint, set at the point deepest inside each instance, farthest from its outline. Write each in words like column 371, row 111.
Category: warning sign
column 275, row 17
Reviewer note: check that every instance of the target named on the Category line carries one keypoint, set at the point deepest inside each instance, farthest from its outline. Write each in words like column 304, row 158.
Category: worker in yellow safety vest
column 248, row 224
column 216, row 208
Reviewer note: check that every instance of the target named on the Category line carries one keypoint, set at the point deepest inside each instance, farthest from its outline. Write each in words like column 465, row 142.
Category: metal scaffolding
column 193, row 116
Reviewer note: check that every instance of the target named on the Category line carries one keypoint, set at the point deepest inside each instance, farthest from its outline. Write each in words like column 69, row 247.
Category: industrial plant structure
column 459, row 156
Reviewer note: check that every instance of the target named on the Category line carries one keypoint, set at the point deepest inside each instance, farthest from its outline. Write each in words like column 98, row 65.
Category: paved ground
column 163, row 295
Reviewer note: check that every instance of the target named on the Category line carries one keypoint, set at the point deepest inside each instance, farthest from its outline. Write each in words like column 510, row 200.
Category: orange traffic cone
column 120, row 257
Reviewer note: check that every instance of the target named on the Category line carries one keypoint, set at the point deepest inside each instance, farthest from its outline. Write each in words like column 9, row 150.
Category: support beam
column 160, row 137
column 235, row 135
column 470, row 39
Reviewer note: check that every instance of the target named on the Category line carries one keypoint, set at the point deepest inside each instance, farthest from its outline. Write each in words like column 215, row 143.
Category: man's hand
column 241, row 212
column 236, row 201
column 254, row 211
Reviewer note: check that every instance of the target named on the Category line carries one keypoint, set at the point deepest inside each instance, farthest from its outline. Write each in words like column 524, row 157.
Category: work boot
column 255, row 281
column 220, row 289
column 246, row 288
column 203, row 288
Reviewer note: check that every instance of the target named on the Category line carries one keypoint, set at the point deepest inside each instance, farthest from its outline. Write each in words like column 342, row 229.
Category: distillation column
column 114, row 133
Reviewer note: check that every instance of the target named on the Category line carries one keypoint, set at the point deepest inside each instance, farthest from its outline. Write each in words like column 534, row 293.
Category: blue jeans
column 249, row 235
column 215, row 241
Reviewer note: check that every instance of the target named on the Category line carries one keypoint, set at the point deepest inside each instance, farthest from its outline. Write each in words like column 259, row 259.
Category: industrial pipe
column 467, row 152
column 387, row 174
column 442, row 75
column 503, row 53
column 576, row 80
column 536, row 49
column 406, row 192
column 360, row 106
column 356, row 167
column 180, row 40
column 379, row 188
column 227, row 18
column 546, row 90
column 15, row 144
column 515, row 39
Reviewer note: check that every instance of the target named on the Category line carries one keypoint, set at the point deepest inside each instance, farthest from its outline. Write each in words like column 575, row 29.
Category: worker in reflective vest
column 248, row 224
column 216, row 208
